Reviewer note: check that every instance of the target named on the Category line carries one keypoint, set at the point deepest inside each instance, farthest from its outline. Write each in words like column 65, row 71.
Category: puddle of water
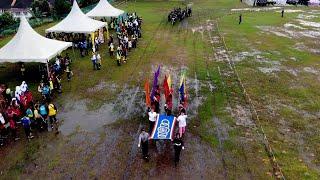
column 289, row 25
column 311, row 70
column 102, row 85
column 256, row 9
column 302, row 47
column 75, row 114
column 309, row 23
column 269, row 70
column 304, row 16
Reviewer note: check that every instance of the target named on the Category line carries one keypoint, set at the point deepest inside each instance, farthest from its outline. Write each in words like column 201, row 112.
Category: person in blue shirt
column 46, row 92
column 26, row 126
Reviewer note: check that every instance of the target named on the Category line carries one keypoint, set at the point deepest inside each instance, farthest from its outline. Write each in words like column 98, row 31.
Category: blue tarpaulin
column 164, row 127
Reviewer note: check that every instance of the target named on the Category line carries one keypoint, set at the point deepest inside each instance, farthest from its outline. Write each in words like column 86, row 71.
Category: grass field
column 254, row 100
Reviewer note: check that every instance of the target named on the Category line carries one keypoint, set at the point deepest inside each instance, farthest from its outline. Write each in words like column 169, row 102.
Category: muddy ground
column 99, row 123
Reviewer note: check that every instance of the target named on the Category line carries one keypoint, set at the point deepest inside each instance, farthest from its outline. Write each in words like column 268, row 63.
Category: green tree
column 41, row 8
column 84, row 3
column 61, row 7
column 6, row 19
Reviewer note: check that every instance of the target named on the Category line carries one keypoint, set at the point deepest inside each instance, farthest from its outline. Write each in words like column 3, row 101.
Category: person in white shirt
column 182, row 119
column 94, row 61
column 23, row 86
column 17, row 93
column 98, row 61
column 152, row 119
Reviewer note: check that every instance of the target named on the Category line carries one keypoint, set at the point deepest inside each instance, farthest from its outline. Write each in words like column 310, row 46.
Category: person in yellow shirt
column 52, row 116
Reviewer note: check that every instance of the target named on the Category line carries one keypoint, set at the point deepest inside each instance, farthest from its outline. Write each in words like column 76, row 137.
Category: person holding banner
column 152, row 119
column 177, row 145
column 182, row 119
column 143, row 143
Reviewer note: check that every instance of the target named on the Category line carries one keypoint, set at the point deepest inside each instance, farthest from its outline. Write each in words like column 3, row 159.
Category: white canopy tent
column 77, row 22
column 104, row 9
column 29, row 46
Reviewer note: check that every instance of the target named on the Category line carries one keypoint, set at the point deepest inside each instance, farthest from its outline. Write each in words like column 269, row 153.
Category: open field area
column 254, row 105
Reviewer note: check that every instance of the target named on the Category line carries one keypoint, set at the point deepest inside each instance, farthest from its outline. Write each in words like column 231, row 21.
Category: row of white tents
column 29, row 46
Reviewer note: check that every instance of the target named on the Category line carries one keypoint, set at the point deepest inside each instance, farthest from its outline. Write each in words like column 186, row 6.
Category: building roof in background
column 20, row 4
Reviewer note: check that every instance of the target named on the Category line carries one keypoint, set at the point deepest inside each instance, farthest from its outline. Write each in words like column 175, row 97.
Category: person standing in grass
column 98, row 61
column 52, row 116
column 178, row 146
column 94, row 61
column 282, row 12
column 69, row 73
column 240, row 18
column 144, row 144
column 23, row 70
column 111, row 49
column 26, row 126
column 182, row 119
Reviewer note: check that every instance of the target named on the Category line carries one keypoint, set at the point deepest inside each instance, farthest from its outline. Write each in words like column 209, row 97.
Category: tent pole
column 48, row 69
column 74, row 55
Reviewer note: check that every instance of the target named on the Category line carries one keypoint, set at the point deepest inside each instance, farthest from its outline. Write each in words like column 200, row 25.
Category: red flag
column 147, row 89
column 166, row 87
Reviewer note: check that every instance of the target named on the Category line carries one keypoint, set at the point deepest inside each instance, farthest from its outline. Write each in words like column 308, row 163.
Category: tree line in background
column 42, row 9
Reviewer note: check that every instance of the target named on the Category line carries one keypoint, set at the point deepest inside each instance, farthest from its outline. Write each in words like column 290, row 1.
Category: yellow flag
column 107, row 27
column 169, row 81
column 92, row 39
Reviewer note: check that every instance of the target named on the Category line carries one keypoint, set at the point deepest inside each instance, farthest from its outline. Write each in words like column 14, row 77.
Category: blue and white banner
column 164, row 127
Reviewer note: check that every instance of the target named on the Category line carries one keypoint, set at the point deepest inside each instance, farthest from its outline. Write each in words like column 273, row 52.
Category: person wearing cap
column 143, row 143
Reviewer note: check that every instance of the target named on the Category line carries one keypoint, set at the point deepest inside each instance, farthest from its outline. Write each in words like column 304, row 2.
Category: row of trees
column 42, row 8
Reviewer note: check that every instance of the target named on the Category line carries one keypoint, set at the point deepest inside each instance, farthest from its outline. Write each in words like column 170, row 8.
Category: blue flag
column 164, row 127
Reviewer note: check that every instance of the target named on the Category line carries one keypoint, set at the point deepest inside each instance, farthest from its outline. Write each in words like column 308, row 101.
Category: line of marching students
column 128, row 31
column 153, row 104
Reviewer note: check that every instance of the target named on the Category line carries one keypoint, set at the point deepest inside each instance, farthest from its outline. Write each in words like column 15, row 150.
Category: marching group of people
column 128, row 31
column 179, row 14
column 18, row 107
column 153, row 113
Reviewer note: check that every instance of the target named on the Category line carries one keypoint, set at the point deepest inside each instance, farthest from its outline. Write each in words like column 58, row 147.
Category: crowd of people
column 179, row 14
column 128, row 32
column 19, row 107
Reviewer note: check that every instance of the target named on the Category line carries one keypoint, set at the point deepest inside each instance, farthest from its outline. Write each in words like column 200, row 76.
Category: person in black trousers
column 240, row 18
column 143, row 143
column 178, row 145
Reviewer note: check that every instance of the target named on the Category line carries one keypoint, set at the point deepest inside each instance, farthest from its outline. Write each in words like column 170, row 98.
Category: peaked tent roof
column 104, row 9
column 29, row 46
column 77, row 22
